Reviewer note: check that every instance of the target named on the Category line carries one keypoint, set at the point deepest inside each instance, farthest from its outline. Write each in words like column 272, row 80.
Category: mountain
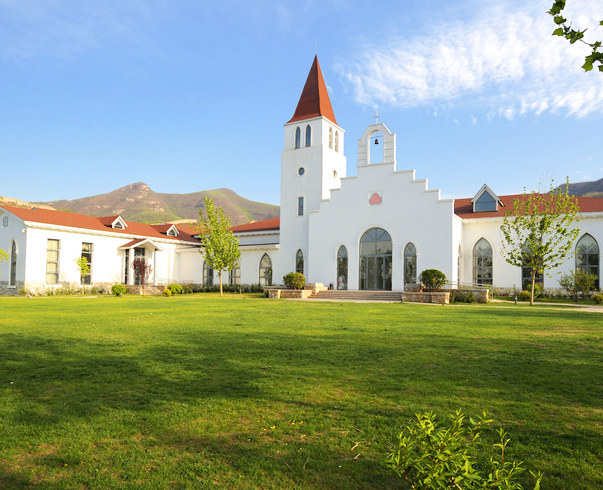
column 137, row 202
column 17, row 203
column 586, row 189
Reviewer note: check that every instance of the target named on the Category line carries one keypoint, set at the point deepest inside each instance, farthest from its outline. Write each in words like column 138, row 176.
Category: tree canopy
column 219, row 246
column 538, row 232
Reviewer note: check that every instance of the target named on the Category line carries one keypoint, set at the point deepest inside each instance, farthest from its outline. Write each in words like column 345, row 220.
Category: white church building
column 376, row 230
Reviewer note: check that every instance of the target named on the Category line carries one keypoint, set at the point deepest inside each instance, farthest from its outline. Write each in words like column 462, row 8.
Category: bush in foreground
column 118, row 289
column 174, row 288
column 429, row 457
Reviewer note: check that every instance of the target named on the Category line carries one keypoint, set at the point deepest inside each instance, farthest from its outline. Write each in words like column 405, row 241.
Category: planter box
column 439, row 297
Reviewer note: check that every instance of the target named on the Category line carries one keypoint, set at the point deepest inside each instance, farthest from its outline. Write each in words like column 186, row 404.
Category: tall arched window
column 331, row 138
column 297, row 138
column 482, row 262
column 410, row 264
column 266, row 271
column 299, row 261
column 587, row 256
column 336, row 140
column 342, row 268
column 13, row 264
column 376, row 260
column 308, row 135
column 208, row 275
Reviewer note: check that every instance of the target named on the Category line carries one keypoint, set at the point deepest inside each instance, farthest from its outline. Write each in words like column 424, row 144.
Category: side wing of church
column 374, row 231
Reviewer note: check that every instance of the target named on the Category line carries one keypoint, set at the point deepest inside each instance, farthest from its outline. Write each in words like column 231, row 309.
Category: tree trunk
column 220, row 274
column 533, row 282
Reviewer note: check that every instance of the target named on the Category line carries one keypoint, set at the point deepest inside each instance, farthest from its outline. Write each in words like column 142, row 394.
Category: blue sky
column 188, row 96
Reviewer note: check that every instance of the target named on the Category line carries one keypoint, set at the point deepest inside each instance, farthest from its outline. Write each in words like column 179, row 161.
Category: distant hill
column 137, row 202
column 586, row 189
column 17, row 203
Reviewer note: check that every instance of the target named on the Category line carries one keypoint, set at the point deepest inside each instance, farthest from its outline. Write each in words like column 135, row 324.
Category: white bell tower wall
column 308, row 172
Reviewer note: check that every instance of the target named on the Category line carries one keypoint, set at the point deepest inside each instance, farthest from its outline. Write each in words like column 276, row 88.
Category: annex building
column 373, row 231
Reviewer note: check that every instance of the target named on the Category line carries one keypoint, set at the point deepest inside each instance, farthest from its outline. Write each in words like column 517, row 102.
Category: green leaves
column 573, row 35
column 220, row 248
column 429, row 457
column 539, row 232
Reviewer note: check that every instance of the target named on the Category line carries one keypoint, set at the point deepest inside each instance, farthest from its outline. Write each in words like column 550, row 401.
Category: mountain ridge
column 138, row 202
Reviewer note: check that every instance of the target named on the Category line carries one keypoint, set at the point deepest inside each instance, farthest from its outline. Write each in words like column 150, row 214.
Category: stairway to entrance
column 339, row 295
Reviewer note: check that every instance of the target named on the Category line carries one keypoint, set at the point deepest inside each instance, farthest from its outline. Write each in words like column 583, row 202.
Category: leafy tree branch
column 572, row 35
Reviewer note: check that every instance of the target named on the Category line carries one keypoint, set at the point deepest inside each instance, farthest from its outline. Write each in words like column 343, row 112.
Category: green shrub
column 174, row 288
column 598, row 298
column 118, row 289
column 524, row 296
column 578, row 282
column 429, row 457
column 167, row 292
column 432, row 279
column 295, row 280
column 462, row 297
column 187, row 289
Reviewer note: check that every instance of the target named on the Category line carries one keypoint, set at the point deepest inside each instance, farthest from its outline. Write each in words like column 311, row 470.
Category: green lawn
column 199, row 392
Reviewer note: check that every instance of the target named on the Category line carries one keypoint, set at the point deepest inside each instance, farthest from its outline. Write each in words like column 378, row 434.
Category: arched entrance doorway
column 376, row 260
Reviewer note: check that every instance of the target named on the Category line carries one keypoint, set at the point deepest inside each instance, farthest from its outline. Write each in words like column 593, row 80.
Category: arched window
column 336, row 140
column 587, row 256
column 331, row 138
column 208, row 275
column 266, row 271
column 482, row 262
column 376, row 147
column 308, row 135
column 376, row 260
column 299, row 261
column 297, row 138
column 13, row 264
column 410, row 264
column 342, row 268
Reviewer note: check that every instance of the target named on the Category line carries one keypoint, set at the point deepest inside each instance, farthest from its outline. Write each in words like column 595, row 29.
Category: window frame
column 55, row 273
column 300, row 206
column 87, row 279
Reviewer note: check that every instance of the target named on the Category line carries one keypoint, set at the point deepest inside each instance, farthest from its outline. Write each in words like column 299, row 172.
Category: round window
column 301, row 171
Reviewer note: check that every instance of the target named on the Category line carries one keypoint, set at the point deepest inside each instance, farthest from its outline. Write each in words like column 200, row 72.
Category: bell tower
column 312, row 163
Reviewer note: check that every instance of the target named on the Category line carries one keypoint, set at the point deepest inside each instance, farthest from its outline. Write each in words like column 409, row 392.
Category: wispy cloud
column 503, row 60
column 62, row 29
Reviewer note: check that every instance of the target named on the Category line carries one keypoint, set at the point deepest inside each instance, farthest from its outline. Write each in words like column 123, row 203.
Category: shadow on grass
column 347, row 378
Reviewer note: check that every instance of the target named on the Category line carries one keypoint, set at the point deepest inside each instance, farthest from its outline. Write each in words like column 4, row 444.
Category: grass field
column 197, row 391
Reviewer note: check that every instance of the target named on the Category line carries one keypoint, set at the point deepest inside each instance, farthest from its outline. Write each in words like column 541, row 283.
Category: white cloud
column 473, row 120
column 62, row 29
column 503, row 60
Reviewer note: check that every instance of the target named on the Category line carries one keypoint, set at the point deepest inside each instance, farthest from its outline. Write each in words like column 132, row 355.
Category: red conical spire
column 314, row 100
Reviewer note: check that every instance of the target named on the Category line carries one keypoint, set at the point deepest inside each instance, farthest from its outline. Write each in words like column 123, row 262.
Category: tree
column 219, row 246
column 83, row 269
column 142, row 269
column 577, row 282
column 538, row 232
column 3, row 256
column 573, row 35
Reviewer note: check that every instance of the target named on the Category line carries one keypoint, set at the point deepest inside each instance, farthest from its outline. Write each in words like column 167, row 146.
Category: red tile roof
column 314, row 100
column 86, row 222
column 265, row 225
column 464, row 209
